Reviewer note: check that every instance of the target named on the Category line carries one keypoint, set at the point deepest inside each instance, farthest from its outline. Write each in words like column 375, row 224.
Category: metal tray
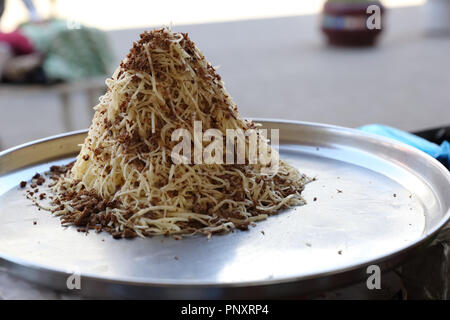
column 377, row 200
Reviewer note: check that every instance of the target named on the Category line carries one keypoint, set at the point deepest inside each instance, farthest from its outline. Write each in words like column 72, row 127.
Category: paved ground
column 281, row 68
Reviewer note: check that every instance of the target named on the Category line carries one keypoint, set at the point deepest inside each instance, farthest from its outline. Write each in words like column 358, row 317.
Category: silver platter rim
column 101, row 286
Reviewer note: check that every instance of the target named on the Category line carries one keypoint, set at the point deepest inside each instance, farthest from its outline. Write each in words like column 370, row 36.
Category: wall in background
column 110, row 15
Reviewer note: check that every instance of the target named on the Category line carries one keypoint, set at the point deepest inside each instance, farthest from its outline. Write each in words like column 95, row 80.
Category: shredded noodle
column 165, row 83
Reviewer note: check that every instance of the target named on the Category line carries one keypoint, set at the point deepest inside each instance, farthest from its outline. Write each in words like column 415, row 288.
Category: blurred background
column 300, row 60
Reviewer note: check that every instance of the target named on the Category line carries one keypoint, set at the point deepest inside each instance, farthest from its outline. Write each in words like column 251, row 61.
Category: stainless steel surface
column 376, row 201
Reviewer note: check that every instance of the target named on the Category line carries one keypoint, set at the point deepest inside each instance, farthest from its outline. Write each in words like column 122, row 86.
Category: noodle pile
column 124, row 180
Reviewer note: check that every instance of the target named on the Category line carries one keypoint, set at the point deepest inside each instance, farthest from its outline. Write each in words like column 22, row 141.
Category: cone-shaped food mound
column 124, row 179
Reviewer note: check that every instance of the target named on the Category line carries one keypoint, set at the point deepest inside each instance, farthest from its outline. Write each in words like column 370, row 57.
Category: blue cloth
column 442, row 152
